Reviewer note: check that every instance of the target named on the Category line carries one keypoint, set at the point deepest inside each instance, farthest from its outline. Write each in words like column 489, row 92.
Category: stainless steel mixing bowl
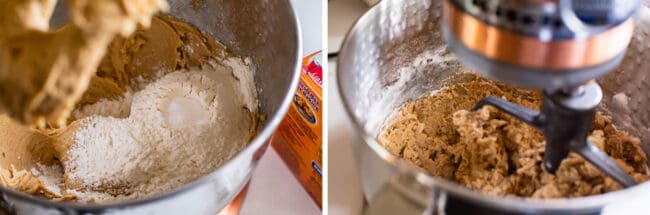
column 396, row 53
column 269, row 33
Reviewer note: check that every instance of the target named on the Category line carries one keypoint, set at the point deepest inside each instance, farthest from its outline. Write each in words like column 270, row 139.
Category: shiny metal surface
column 527, row 77
column 507, row 46
column 396, row 52
column 548, row 20
column 535, row 44
column 269, row 33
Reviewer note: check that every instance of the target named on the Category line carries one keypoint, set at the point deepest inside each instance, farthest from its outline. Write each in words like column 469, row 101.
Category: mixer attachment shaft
column 565, row 119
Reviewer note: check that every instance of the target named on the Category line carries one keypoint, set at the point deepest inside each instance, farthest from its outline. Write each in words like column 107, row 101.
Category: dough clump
column 44, row 72
column 495, row 153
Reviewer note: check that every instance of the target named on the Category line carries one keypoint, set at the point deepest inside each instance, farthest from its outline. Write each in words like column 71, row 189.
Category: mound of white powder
column 178, row 128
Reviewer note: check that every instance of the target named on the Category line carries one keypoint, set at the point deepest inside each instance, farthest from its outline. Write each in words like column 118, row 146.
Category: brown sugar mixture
column 493, row 152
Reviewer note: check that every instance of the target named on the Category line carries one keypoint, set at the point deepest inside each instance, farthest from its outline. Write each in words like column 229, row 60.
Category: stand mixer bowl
column 396, row 53
column 276, row 69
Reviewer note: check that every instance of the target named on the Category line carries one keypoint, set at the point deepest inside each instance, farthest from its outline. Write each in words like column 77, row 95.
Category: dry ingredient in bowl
column 180, row 127
column 495, row 153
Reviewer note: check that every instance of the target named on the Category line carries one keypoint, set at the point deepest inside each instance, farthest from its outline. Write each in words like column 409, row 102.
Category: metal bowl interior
column 396, row 53
column 267, row 32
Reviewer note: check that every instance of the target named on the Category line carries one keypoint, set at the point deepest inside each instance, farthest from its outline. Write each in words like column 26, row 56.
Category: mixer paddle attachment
column 565, row 120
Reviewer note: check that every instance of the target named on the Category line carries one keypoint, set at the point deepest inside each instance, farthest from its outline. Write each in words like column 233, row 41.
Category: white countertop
column 345, row 195
column 273, row 189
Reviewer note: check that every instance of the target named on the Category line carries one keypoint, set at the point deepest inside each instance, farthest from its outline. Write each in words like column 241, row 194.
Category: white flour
column 116, row 108
column 51, row 176
column 176, row 129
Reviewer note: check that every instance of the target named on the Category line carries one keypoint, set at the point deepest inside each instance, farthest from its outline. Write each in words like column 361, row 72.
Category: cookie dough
column 493, row 152
column 20, row 151
column 44, row 72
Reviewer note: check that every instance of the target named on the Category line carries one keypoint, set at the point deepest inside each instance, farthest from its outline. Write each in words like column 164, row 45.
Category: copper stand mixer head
column 558, row 46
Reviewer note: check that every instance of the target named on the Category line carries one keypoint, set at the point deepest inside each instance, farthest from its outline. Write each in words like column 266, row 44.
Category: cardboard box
column 299, row 138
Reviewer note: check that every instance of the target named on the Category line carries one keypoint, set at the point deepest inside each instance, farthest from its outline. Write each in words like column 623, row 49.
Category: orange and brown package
column 298, row 140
